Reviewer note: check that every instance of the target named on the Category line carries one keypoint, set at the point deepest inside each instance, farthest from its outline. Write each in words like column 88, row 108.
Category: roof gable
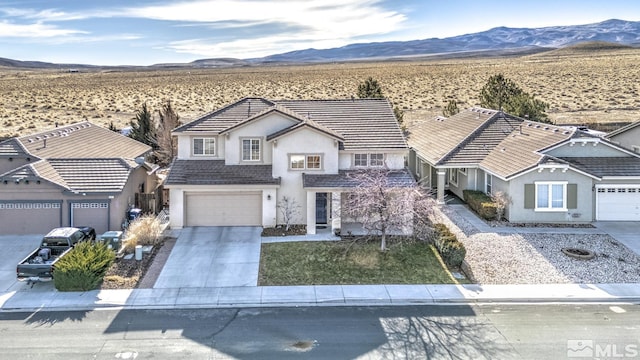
column 435, row 139
column 361, row 123
column 623, row 129
column 12, row 148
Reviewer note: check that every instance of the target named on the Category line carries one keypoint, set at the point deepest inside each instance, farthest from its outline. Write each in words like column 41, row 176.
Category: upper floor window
column 250, row 149
column 363, row 160
column 301, row 162
column 204, row 146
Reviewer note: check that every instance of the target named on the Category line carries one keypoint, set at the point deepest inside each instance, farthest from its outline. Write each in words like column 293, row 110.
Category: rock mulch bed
column 537, row 258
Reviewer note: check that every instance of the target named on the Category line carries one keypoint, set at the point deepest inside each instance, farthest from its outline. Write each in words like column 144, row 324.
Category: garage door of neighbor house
column 618, row 203
column 223, row 209
column 26, row 217
column 94, row 214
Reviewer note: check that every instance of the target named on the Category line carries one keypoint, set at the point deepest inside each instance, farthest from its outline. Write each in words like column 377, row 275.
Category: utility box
column 113, row 239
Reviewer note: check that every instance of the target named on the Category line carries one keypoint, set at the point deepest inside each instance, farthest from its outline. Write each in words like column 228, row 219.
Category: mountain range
column 497, row 41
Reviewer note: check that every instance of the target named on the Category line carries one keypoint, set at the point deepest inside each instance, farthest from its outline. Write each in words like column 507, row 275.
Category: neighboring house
column 236, row 164
column 79, row 174
column 552, row 174
column 627, row 136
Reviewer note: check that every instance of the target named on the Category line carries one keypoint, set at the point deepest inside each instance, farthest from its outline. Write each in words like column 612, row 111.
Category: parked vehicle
column 40, row 263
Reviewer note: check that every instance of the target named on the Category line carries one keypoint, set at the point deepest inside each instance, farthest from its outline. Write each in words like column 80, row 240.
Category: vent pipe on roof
column 44, row 143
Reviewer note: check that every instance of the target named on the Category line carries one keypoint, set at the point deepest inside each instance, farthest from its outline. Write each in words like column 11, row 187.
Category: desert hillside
column 581, row 87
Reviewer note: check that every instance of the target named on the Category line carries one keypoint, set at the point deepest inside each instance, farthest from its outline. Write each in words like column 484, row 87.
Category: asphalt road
column 411, row 332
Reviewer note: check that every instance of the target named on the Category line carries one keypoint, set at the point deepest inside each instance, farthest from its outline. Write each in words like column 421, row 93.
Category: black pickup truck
column 39, row 265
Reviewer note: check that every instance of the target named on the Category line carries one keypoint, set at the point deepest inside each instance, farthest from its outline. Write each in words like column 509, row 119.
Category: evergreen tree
column 370, row 89
column 503, row 94
column 143, row 128
column 451, row 109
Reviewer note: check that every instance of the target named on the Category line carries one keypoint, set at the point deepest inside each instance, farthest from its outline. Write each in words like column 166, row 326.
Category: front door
column 321, row 208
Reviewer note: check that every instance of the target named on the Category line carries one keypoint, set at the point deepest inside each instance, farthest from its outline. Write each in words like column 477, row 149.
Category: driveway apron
column 14, row 249
column 213, row 257
column 626, row 232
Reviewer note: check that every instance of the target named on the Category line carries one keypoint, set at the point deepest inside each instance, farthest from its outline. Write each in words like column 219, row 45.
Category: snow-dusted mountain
column 498, row 39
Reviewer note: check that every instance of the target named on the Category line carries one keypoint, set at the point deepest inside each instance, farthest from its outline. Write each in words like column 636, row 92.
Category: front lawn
column 343, row 262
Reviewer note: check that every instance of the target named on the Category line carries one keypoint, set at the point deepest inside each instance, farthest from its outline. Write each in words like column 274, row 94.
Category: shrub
column 83, row 267
column 451, row 250
column 145, row 230
column 481, row 203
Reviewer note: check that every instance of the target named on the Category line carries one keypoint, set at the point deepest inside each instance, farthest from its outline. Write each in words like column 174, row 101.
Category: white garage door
column 223, row 209
column 17, row 218
column 94, row 214
column 618, row 203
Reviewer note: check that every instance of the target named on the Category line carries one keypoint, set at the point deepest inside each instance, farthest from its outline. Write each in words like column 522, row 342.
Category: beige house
column 75, row 175
column 236, row 164
column 552, row 174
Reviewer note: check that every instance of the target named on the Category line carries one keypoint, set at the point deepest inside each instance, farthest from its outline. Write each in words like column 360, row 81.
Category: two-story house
column 236, row 164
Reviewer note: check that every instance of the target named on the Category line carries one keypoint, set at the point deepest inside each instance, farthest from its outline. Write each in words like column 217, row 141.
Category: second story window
column 204, row 146
column 250, row 149
column 372, row 160
column 302, row 162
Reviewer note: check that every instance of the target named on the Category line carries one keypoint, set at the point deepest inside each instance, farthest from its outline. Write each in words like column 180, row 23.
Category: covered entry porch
column 327, row 195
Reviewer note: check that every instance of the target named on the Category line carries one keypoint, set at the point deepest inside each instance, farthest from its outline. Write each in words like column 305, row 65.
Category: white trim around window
column 551, row 195
column 488, row 183
column 453, row 176
column 250, row 149
column 305, row 161
column 203, row 146
column 463, row 171
column 368, row 160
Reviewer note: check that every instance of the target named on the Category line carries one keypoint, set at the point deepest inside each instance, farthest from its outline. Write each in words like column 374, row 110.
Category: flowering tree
column 383, row 204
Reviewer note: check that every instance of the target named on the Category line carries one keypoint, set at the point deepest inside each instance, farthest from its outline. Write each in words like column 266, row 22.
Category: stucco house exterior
column 552, row 174
column 627, row 136
column 236, row 164
column 79, row 174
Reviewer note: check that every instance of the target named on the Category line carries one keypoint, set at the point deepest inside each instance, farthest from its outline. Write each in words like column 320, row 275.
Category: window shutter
column 529, row 196
column 572, row 196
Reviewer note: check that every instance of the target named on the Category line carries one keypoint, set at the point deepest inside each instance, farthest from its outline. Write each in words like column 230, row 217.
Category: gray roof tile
column 215, row 172
column 12, row 148
column 348, row 179
column 606, row 166
column 363, row 123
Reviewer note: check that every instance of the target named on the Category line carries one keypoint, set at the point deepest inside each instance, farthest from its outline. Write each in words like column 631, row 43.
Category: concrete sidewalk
column 319, row 295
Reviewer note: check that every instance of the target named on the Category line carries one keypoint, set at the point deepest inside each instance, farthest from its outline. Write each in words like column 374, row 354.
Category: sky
column 145, row 32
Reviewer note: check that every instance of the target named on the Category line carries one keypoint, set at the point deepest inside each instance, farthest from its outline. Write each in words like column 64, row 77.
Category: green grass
column 342, row 263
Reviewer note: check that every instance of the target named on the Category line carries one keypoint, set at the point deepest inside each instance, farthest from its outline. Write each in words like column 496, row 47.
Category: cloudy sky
column 144, row 32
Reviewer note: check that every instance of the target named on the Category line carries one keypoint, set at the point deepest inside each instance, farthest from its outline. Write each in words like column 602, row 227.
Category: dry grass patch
column 346, row 262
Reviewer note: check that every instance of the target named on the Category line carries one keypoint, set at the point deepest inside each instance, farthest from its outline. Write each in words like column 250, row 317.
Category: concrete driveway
column 213, row 257
column 626, row 232
column 14, row 249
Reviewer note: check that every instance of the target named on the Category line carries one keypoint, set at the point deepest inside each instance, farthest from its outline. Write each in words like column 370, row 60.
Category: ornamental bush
column 83, row 267
column 451, row 250
column 481, row 203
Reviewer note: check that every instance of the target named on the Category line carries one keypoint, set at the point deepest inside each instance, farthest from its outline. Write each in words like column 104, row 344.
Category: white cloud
column 37, row 30
column 314, row 23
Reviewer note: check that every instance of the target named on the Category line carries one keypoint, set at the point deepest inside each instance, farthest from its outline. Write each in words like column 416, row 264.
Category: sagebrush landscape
column 581, row 84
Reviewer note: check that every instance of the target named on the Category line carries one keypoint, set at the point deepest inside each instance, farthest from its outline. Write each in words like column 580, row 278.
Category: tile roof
column 435, row 139
column 12, row 148
column 215, row 172
column 347, row 179
column 522, row 148
column 82, row 140
column 362, row 123
column 606, row 166
column 218, row 120
column 82, row 175
column 623, row 129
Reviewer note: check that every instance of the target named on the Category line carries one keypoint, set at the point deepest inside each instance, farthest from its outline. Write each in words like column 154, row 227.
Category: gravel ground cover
column 503, row 258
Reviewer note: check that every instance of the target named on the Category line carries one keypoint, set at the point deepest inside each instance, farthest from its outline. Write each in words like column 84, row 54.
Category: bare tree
column 290, row 209
column 167, row 144
column 502, row 200
column 384, row 205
